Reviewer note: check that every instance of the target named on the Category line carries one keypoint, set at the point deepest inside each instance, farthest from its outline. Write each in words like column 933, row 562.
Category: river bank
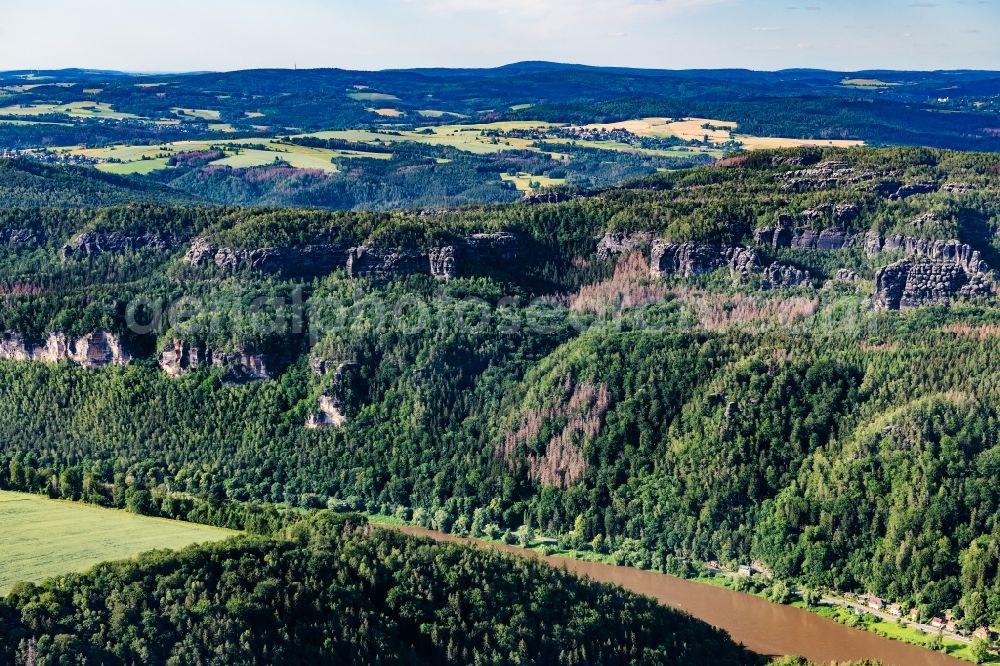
column 762, row 626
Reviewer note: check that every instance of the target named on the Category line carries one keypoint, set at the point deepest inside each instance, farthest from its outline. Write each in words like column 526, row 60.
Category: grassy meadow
column 43, row 537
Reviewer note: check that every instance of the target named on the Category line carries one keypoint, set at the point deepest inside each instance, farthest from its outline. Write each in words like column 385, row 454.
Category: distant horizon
column 760, row 35
column 828, row 70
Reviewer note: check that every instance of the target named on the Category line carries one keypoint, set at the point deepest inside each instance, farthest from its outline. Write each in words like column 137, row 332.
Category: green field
column 43, row 537
column 372, row 97
column 523, row 181
column 73, row 109
column 197, row 114
column 141, row 167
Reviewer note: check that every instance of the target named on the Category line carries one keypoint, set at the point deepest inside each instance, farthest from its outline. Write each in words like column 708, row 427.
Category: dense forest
column 607, row 380
column 333, row 590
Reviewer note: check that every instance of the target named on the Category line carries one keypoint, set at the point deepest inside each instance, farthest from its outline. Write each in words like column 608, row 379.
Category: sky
column 196, row 35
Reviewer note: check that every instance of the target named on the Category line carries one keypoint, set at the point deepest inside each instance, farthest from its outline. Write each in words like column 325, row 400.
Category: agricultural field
column 524, row 181
column 867, row 83
column 717, row 131
column 436, row 113
column 388, row 112
column 72, row 109
column 197, row 114
column 240, row 153
column 43, row 537
column 372, row 97
column 469, row 138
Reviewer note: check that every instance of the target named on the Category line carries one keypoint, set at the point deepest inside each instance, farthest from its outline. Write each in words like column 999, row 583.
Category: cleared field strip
column 40, row 537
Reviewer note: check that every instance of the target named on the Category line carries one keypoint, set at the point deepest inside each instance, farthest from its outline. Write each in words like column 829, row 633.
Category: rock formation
column 444, row 262
column 912, row 283
column 781, row 276
column 804, row 238
column 317, row 259
column 18, row 238
column 92, row 243
column 846, row 275
column 93, row 350
column 691, row 259
column 620, row 242
column 330, row 404
column 382, row 266
column 238, row 366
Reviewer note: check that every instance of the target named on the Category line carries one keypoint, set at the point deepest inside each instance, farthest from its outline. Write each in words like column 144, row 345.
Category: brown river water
column 762, row 626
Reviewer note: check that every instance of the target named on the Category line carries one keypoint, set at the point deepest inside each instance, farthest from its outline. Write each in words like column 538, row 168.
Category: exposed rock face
column 872, row 243
column 923, row 187
column 690, row 259
column 314, row 259
column 94, row 350
column 330, row 404
column 846, row 275
column 328, row 414
column 742, row 260
column 91, row 243
column 238, row 366
column 958, row 188
column 825, row 239
column 781, row 276
column 804, row 159
column 840, row 214
column 620, row 242
column 804, row 239
column 947, row 250
column 443, row 262
column 780, row 236
column 826, row 175
column 370, row 263
column 909, row 283
column 18, row 238
column 684, row 259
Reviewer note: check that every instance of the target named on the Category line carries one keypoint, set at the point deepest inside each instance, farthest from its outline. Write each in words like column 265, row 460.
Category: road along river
column 762, row 626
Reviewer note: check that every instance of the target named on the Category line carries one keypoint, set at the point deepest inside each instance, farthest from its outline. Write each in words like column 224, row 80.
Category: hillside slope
column 789, row 358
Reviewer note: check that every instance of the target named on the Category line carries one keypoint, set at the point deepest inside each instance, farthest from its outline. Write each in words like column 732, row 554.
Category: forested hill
column 788, row 358
column 26, row 183
column 335, row 591
column 952, row 109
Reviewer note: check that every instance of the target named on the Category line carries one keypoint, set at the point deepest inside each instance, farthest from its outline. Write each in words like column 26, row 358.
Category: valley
column 672, row 366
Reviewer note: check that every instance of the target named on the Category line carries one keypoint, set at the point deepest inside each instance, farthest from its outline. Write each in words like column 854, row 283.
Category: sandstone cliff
column 912, row 283
column 443, row 262
column 94, row 350
column 330, row 404
column 238, row 366
column 92, row 243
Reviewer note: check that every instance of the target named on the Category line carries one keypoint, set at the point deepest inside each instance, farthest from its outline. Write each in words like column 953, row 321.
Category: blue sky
column 176, row 35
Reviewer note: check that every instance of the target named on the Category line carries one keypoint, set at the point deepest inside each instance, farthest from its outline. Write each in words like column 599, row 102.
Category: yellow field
column 692, row 129
column 388, row 113
column 253, row 114
column 756, row 142
column 43, row 537
column 689, row 129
